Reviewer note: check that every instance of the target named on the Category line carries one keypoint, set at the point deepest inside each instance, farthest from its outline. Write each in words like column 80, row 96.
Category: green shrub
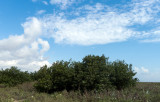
column 56, row 78
column 122, row 75
column 93, row 73
column 13, row 76
column 43, row 78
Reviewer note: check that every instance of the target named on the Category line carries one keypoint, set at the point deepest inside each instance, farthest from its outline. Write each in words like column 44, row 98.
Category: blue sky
column 38, row 32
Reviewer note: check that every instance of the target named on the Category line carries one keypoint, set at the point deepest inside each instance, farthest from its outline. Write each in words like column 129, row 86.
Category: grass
column 143, row 92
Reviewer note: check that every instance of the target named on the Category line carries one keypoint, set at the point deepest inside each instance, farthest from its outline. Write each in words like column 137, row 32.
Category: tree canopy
column 93, row 73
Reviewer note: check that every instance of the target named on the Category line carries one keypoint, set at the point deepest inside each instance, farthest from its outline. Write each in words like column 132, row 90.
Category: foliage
column 56, row 78
column 93, row 73
column 62, row 75
column 13, row 76
column 122, row 75
column 43, row 79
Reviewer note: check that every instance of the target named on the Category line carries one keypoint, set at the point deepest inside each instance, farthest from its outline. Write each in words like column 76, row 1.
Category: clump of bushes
column 13, row 76
column 93, row 73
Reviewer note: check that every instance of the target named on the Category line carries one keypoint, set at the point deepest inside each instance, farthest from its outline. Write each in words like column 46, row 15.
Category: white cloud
column 41, row 12
column 152, row 36
column 143, row 11
column 24, row 50
column 146, row 75
column 62, row 3
column 93, row 29
column 45, row 2
column 32, row 28
column 141, row 70
column 44, row 44
column 100, row 24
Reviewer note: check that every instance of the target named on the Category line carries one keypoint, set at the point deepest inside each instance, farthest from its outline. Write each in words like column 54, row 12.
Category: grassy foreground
column 143, row 92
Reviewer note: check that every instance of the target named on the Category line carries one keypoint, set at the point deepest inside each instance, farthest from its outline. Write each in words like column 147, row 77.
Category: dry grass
column 143, row 92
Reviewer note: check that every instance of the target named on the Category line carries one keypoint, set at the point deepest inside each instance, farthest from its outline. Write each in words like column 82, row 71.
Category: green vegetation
column 13, row 76
column 91, row 80
column 94, row 73
column 143, row 92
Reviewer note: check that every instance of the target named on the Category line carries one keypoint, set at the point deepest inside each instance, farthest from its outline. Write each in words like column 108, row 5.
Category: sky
column 38, row 32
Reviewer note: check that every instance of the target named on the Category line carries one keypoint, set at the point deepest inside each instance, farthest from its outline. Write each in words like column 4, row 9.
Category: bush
column 13, row 76
column 93, row 73
column 56, row 78
column 122, row 75
column 43, row 78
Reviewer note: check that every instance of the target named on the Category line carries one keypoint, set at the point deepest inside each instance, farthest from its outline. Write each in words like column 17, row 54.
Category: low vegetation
column 143, row 92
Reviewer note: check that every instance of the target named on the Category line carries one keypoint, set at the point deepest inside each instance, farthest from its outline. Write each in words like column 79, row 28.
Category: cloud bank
column 101, row 24
column 25, row 50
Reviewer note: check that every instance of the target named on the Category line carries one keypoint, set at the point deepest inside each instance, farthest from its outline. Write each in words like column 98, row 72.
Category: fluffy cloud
column 26, row 50
column 101, row 24
column 32, row 28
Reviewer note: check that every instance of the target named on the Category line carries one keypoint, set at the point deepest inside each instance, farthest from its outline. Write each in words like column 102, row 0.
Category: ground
column 143, row 92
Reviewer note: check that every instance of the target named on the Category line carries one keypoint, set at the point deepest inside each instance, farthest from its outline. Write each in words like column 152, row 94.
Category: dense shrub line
column 13, row 76
column 93, row 73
